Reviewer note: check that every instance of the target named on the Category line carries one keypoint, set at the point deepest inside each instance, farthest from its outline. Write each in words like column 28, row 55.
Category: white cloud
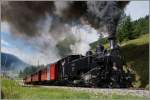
column 38, row 49
column 137, row 9
column 33, row 59
column 5, row 27
column 3, row 42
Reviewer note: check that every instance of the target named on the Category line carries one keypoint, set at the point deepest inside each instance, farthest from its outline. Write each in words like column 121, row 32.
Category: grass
column 12, row 90
column 136, row 53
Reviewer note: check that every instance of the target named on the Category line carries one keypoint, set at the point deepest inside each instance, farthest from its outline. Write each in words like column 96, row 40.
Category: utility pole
column 38, row 62
column 5, row 66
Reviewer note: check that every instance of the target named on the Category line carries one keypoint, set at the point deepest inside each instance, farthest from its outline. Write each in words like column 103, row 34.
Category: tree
column 28, row 71
column 125, row 30
column 128, row 29
column 141, row 26
column 20, row 73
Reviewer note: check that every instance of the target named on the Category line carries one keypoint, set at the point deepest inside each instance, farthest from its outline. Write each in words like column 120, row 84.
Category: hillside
column 11, row 63
column 136, row 54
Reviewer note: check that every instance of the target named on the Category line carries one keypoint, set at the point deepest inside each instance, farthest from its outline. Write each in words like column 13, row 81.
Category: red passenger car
column 44, row 74
column 53, row 72
column 27, row 80
column 47, row 74
column 35, row 77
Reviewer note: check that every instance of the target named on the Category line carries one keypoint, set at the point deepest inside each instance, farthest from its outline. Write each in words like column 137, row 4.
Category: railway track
column 104, row 91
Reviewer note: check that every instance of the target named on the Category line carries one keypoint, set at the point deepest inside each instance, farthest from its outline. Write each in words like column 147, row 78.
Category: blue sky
column 16, row 46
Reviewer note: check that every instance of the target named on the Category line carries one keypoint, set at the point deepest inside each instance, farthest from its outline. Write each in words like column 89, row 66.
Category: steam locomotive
column 104, row 68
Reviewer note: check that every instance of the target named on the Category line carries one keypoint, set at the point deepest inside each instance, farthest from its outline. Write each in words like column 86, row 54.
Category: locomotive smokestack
column 112, row 42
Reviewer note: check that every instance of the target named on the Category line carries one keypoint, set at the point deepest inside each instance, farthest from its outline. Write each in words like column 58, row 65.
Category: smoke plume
column 44, row 24
column 23, row 15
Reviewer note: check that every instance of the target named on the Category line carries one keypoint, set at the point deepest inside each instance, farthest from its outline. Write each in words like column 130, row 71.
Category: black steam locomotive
column 104, row 69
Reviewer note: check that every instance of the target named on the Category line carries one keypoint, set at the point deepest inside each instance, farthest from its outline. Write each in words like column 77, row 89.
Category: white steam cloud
column 84, row 35
column 43, row 46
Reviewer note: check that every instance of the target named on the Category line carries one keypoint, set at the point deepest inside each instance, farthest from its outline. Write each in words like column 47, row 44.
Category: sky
column 137, row 9
column 15, row 46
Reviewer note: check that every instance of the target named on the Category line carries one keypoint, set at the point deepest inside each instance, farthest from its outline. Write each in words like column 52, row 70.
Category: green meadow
column 12, row 90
